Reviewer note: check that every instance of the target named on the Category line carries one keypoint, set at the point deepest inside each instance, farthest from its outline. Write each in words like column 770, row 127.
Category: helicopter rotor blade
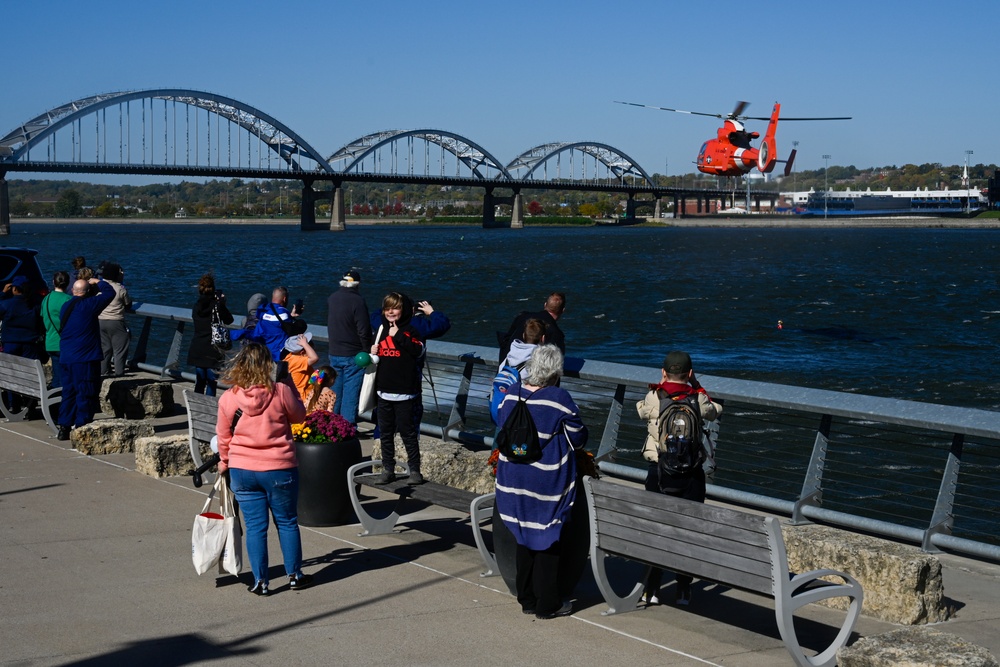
column 783, row 119
column 738, row 110
column 692, row 113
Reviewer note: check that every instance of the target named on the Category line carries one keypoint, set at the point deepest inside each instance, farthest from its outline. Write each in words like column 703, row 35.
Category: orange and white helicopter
column 730, row 153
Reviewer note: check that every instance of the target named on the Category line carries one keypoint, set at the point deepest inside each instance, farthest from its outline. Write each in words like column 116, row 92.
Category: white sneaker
column 651, row 599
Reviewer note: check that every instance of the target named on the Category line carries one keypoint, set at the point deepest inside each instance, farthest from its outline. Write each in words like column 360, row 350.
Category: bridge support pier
column 517, row 215
column 338, row 216
column 307, row 222
column 490, row 203
column 4, row 206
column 630, row 207
column 658, row 208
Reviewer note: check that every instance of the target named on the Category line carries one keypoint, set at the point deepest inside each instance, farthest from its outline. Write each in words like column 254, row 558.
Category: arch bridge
column 190, row 133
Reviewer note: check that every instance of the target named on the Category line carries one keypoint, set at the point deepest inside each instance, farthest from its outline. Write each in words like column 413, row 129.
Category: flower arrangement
column 323, row 426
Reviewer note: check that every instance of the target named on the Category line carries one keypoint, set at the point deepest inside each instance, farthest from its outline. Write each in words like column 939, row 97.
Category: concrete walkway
column 97, row 571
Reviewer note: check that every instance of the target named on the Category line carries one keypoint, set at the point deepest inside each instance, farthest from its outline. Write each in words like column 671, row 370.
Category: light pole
column 826, row 184
column 795, row 189
column 968, row 184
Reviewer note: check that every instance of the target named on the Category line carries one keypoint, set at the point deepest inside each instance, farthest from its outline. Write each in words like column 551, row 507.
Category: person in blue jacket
column 20, row 321
column 80, row 353
column 429, row 323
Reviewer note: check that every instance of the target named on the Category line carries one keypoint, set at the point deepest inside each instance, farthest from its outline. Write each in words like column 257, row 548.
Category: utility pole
column 795, row 189
column 826, row 184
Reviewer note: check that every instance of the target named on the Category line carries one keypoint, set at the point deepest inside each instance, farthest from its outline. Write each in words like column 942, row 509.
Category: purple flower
column 329, row 427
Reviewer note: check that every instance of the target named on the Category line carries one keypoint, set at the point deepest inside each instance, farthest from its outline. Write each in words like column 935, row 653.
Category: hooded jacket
column 262, row 439
column 649, row 409
column 399, row 355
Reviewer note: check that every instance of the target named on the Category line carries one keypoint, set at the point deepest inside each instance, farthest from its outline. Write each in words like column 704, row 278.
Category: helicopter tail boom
column 768, row 154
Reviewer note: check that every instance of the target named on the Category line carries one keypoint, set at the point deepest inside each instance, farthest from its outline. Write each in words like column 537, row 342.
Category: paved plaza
column 97, row 571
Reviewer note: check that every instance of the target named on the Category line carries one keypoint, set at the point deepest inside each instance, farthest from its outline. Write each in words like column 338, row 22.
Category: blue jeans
column 347, row 386
column 205, row 381
column 277, row 491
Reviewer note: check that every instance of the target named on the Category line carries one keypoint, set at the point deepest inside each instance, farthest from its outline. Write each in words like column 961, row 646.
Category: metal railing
column 915, row 472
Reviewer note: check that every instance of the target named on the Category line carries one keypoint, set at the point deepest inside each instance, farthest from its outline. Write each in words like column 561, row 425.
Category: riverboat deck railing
column 921, row 473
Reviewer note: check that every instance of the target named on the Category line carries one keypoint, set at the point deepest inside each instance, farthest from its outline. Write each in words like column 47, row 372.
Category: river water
column 904, row 313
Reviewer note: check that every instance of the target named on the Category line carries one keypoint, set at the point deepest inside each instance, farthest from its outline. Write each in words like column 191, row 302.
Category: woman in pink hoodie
column 255, row 445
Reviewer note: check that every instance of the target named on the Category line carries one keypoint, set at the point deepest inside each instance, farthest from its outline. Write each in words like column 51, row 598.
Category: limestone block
column 166, row 456
column 915, row 647
column 136, row 398
column 109, row 436
column 449, row 463
column 902, row 584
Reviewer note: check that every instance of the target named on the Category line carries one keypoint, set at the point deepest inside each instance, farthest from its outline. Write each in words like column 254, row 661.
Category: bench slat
column 203, row 412
column 687, row 515
column 639, row 502
column 647, row 554
column 698, row 561
column 741, row 544
column 429, row 492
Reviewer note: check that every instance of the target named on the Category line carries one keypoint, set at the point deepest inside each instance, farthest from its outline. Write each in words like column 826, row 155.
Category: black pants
column 693, row 489
column 537, row 579
column 393, row 416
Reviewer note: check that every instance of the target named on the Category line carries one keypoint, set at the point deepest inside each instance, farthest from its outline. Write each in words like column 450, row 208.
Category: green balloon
column 362, row 359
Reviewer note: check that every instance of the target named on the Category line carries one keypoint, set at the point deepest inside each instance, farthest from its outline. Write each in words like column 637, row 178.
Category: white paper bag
column 367, row 400
column 208, row 535
column 231, row 560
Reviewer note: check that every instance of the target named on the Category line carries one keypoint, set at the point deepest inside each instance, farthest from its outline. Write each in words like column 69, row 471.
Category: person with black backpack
column 675, row 411
column 536, row 477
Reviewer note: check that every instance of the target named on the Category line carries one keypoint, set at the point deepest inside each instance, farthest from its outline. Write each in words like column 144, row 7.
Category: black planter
column 323, row 496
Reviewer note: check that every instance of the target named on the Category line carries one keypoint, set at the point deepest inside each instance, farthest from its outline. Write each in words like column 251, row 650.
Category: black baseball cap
column 677, row 363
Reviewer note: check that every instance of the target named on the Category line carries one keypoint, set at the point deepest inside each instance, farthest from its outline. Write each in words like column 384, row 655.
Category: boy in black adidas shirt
column 397, row 350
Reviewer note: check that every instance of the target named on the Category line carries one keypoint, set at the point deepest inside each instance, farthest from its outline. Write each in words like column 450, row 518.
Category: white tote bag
column 208, row 536
column 231, row 560
column 368, row 400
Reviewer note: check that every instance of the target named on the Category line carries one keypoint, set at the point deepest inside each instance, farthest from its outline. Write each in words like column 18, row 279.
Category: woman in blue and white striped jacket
column 534, row 500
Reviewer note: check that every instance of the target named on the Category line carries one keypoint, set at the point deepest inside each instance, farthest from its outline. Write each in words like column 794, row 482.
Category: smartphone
column 298, row 306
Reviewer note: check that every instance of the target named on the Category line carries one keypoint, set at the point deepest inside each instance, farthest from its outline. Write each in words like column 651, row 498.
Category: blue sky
column 510, row 75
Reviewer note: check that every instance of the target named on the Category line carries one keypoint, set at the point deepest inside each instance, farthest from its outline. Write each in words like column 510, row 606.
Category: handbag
column 221, row 338
column 212, row 533
column 368, row 399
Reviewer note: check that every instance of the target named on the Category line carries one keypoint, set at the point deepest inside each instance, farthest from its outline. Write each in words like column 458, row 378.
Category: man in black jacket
column 553, row 309
column 349, row 332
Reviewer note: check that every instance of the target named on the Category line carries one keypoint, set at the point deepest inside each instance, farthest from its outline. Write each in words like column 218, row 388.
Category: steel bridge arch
column 20, row 140
column 615, row 160
column 471, row 154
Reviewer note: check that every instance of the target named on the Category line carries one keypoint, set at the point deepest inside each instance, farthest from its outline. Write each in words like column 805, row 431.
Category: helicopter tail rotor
column 790, row 161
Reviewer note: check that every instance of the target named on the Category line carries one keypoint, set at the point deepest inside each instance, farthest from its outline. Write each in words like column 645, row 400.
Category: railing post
column 174, row 354
column 139, row 356
column 812, row 486
column 609, row 440
column 457, row 416
column 943, row 518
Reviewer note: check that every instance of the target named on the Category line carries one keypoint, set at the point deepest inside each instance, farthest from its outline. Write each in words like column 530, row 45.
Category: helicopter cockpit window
column 701, row 153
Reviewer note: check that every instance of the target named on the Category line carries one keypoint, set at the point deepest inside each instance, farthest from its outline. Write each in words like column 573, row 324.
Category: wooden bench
column 203, row 412
column 727, row 546
column 478, row 507
column 27, row 377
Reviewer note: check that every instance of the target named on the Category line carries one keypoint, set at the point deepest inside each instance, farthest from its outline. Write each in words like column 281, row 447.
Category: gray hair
column 545, row 366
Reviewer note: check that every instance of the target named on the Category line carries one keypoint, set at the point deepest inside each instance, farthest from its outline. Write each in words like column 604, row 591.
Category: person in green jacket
column 51, row 306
